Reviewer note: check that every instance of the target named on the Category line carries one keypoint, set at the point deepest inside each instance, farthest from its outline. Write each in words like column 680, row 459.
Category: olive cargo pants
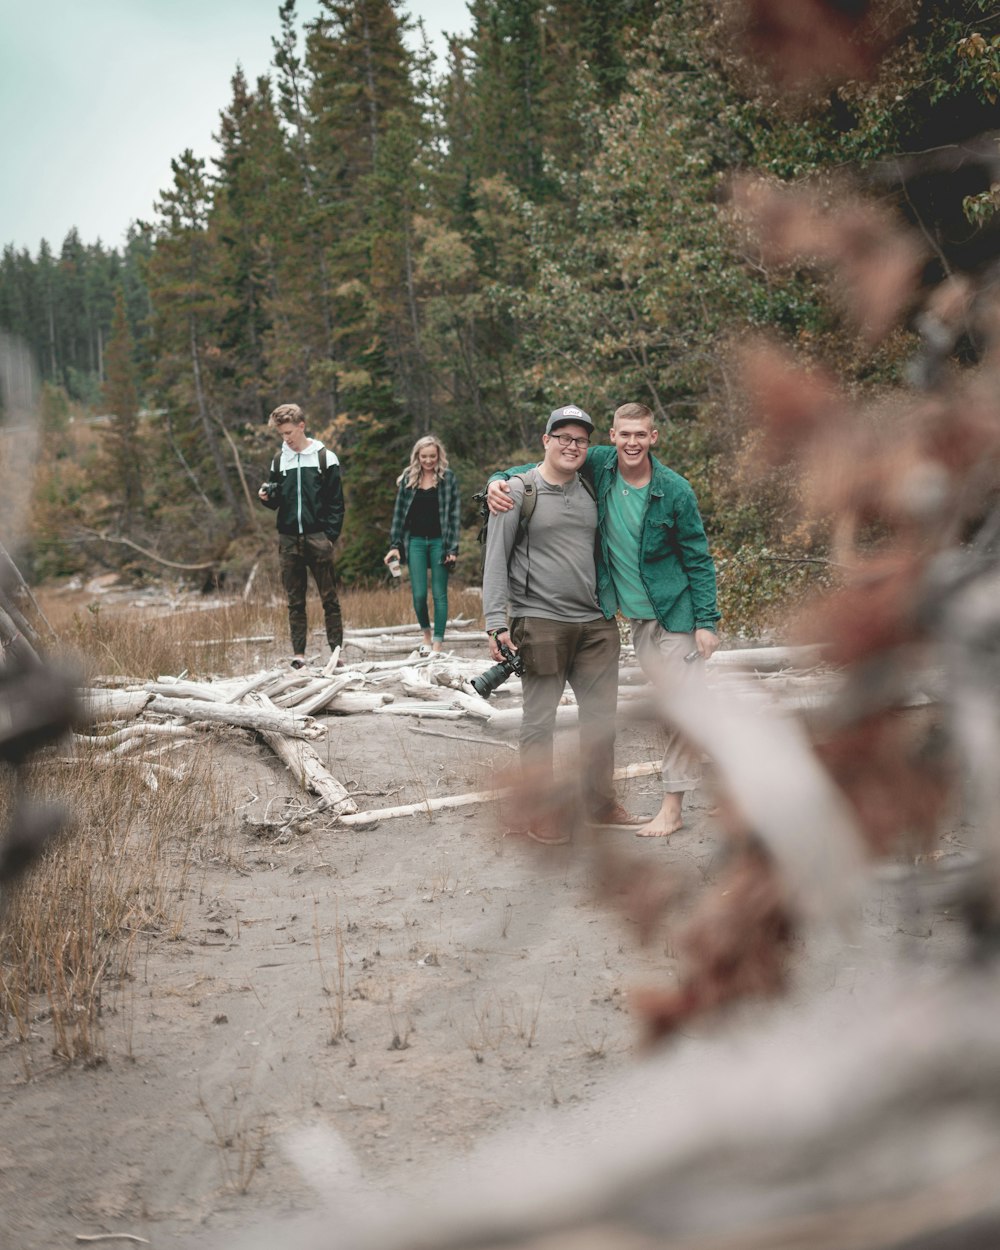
column 296, row 555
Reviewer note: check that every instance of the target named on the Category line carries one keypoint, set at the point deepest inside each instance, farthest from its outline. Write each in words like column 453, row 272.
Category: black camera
column 270, row 489
column 510, row 666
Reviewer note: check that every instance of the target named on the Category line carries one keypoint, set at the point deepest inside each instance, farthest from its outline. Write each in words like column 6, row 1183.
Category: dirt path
column 473, row 979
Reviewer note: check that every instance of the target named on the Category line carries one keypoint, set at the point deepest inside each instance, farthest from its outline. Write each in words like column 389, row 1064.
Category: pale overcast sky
column 97, row 97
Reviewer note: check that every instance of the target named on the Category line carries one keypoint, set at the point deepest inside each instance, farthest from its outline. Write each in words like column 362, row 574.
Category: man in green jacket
column 306, row 492
column 659, row 572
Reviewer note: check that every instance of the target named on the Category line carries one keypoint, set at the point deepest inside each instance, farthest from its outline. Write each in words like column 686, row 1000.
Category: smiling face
column 633, row 438
column 561, row 462
column 428, row 457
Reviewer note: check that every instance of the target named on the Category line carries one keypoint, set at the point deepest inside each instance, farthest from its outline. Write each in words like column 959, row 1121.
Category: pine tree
column 301, row 347
column 254, row 180
column 367, row 144
column 188, row 309
column 123, row 453
column 506, row 89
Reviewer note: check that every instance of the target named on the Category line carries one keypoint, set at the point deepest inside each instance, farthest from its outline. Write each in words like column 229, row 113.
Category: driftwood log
column 100, row 706
column 241, row 716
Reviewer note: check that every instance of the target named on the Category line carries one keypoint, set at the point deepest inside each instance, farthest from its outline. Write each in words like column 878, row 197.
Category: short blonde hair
column 633, row 412
column 286, row 413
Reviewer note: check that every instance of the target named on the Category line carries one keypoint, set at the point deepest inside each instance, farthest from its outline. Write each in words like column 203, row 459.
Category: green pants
column 423, row 554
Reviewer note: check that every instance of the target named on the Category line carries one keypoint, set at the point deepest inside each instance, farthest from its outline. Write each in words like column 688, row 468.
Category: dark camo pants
column 585, row 654
column 314, row 552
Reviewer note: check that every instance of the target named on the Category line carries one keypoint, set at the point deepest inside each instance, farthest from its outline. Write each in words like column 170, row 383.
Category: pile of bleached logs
column 286, row 708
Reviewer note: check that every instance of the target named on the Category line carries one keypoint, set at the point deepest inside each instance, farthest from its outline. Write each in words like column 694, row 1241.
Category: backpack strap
column 528, row 502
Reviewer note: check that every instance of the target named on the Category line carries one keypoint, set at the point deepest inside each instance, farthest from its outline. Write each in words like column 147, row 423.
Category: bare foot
column 666, row 821
column 657, row 828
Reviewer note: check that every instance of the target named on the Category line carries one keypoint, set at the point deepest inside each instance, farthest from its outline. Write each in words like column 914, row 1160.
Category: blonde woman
column 424, row 532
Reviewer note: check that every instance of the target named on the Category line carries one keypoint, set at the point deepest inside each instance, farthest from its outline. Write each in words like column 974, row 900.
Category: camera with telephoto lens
column 510, row 666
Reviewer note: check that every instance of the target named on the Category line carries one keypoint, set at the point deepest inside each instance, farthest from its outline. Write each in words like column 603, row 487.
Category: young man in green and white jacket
column 657, row 569
column 306, row 492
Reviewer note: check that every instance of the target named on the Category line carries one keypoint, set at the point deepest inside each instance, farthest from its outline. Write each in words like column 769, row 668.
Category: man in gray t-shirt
column 544, row 574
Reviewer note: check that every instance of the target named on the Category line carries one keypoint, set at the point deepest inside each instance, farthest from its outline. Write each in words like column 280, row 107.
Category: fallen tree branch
column 419, row 709
column 376, row 631
column 305, row 765
column 152, row 729
column 151, row 555
column 112, row 1237
column 219, row 642
column 439, row 733
column 475, row 796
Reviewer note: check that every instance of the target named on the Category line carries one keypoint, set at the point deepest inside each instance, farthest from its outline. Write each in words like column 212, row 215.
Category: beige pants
column 661, row 655
column 585, row 654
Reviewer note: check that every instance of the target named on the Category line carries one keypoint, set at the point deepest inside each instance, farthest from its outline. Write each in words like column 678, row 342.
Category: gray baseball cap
column 566, row 414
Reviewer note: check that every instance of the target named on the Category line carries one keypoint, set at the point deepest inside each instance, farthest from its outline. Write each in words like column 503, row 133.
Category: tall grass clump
column 69, row 930
column 391, row 605
column 148, row 643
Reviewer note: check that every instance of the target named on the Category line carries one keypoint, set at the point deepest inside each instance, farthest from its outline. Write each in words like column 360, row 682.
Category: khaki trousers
column 661, row 655
column 585, row 654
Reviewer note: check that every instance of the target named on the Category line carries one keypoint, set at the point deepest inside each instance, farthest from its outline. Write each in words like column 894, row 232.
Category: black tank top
column 424, row 520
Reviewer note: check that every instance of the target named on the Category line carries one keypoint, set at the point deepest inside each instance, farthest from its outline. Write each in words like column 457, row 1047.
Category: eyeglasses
column 567, row 440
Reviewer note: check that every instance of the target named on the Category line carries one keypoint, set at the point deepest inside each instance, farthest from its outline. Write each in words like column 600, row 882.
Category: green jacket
column 306, row 491
column 675, row 564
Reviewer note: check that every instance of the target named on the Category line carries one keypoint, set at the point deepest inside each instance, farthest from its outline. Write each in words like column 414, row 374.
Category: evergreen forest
column 402, row 245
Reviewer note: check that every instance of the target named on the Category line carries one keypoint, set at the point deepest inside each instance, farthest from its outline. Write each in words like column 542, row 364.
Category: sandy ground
column 477, row 978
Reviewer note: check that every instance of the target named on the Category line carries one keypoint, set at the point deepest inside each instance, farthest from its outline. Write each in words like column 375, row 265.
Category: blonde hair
column 633, row 412
column 411, row 474
column 285, row 413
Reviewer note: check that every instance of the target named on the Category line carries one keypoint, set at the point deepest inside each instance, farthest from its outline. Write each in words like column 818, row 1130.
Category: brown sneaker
column 616, row 817
column 546, row 834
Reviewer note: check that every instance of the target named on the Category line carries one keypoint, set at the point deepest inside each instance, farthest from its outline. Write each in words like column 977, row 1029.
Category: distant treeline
column 401, row 246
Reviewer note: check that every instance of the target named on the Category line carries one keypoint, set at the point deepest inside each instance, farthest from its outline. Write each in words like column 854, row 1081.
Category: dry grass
column 204, row 637
column 69, row 932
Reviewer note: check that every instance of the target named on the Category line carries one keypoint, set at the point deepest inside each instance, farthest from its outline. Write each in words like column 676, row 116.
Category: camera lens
column 487, row 682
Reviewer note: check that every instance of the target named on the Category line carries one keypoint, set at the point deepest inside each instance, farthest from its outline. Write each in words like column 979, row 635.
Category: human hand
column 450, row 560
column 390, row 555
column 707, row 642
column 495, row 651
column 498, row 497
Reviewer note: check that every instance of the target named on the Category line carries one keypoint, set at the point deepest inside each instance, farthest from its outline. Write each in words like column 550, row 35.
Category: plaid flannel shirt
column 449, row 512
